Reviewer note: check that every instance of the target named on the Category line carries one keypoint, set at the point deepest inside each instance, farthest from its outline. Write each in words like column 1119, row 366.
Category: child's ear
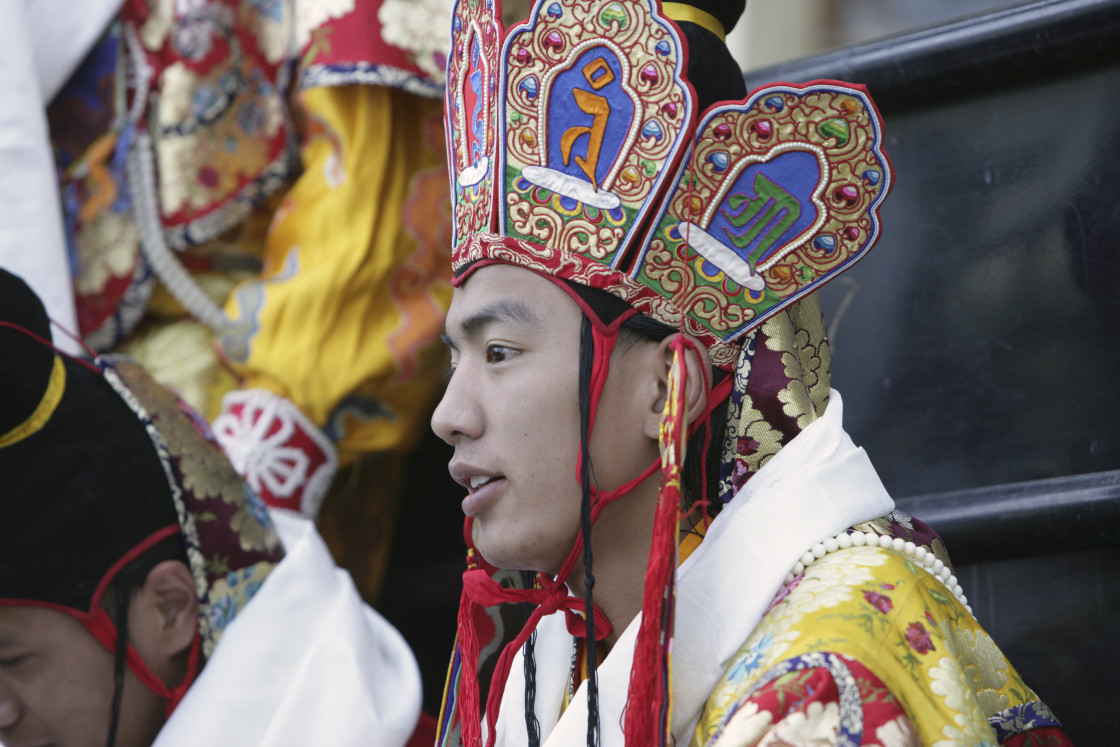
column 163, row 617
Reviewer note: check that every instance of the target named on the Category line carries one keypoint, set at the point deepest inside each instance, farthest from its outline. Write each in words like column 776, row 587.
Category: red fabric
column 1046, row 737
column 298, row 439
column 803, row 695
column 793, row 696
column 425, row 733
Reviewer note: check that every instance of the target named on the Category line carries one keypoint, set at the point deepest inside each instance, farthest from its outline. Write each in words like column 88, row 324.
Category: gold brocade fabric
column 948, row 683
column 782, row 383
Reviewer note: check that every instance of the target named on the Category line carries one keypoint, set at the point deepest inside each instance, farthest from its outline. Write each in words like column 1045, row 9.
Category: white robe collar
column 305, row 663
column 815, row 487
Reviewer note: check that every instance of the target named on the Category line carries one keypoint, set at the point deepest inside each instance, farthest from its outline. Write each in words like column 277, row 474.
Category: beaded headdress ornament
column 576, row 151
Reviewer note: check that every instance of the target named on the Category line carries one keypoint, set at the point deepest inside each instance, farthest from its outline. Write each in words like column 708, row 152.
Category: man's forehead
column 501, row 294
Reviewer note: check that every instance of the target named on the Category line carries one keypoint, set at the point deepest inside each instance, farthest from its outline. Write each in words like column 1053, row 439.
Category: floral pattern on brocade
column 866, row 647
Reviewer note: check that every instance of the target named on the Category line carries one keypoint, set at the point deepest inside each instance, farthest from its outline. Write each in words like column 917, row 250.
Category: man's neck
column 620, row 543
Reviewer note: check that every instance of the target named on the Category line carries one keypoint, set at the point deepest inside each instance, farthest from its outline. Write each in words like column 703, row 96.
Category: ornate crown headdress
column 576, row 151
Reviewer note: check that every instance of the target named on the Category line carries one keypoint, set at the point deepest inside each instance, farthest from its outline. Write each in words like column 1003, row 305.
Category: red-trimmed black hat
column 98, row 464
column 82, row 484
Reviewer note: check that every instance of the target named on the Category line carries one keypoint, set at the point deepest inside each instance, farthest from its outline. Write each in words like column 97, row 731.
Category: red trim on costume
column 51, row 345
column 145, row 545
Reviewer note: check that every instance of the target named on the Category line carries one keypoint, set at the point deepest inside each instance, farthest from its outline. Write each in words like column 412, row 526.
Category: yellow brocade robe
column 867, row 647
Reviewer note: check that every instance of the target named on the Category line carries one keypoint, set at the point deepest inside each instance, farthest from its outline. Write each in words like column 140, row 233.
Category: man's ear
column 163, row 618
column 698, row 367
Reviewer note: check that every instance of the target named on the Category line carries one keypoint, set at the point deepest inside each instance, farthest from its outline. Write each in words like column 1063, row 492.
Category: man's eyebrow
column 500, row 311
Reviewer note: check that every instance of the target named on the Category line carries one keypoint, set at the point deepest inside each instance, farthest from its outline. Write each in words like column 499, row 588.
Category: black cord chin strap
column 586, row 357
column 121, row 599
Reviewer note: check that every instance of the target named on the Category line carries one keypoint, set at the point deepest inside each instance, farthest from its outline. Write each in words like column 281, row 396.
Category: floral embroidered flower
column 310, row 16
column 107, row 247
column 253, row 525
column 747, row 665
column 747, row 725
column 956, row 687
column 879, row 601
column 817, row 724
column 230, row 594
column 918, row 638
column 898, row 732
column 222, row 613
column 419, row 27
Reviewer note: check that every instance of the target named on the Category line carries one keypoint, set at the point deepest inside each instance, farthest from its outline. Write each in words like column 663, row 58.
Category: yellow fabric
column 683, row 12
column 345, row 318
column 691, row 540
column 56, row 385
column 926, row 648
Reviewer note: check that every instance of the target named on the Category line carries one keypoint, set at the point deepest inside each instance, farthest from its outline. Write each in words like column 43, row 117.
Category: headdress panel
column 470, row 106
column 600, row 174
column 780, row 194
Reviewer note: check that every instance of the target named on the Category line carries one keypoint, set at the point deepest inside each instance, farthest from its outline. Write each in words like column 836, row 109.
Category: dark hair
column 119, row 598
column 712, row 71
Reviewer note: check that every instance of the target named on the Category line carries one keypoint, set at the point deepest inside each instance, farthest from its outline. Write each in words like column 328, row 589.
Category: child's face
column 56, row 686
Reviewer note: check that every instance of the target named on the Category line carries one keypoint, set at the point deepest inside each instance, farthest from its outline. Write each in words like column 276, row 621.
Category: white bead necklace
column 921, row 556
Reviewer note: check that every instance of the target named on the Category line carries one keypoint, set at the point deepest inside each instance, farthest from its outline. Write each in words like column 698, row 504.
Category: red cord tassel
column 467, row 697
column 648, row 700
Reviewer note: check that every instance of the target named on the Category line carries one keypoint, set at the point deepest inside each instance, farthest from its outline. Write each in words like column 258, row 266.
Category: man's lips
column 471, row 477
column 482, row 485
column 478, row 498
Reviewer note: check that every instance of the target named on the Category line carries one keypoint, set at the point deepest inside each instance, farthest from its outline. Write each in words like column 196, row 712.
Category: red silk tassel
column 467, row 697
column 648, row 700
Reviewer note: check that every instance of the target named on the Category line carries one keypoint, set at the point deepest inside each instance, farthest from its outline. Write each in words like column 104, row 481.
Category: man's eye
column 499, row 353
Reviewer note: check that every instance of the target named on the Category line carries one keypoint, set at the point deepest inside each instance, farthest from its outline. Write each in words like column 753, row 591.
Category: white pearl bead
column 909, row 548
column 886, row 542
column 958, row 590
column 937, row 565
column 818, row 551
column 897, row 544
column 844, row 540
column 951, row 581
column 798, row 568
column 964, row 601
column 871, row 539
column 857, row 539
column 831, row 544
column 808, row 558
column 920, row 552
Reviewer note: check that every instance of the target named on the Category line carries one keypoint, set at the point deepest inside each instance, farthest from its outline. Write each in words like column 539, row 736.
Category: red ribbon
column 484, row 590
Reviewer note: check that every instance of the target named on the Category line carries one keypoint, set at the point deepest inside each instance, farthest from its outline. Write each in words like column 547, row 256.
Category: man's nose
column 458, row 415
